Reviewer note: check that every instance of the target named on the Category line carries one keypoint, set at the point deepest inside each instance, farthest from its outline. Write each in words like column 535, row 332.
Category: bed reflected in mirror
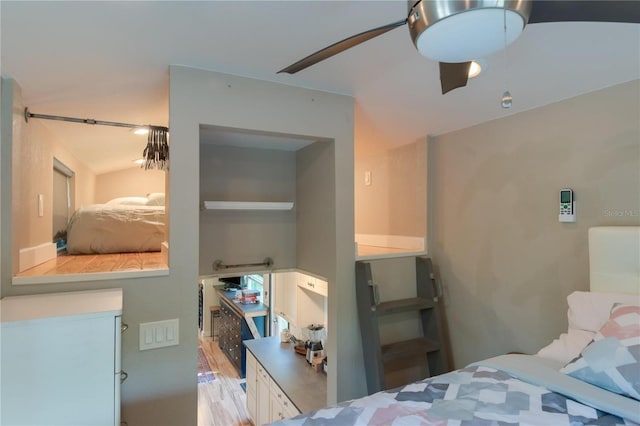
column 82, row 207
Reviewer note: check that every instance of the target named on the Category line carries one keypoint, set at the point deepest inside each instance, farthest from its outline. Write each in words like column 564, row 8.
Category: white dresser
column 61, row 358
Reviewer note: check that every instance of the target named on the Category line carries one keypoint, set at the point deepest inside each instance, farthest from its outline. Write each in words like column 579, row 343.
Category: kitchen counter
column 246, row 311
column 304, row 386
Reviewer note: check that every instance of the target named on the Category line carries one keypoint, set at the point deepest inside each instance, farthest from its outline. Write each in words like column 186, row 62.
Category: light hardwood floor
column 89, row 263
column 221, row 402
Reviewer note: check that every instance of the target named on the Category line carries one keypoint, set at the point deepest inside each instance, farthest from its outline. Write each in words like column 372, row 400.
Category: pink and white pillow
column 612, row 360
column 588, row 312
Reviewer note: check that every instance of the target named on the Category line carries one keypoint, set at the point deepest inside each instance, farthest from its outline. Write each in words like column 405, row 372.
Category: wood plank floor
column 221, row 402
column 89, row 263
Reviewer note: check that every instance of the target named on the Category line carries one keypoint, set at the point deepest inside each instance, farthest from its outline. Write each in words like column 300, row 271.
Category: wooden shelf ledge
column 247, row 205
column 417, row 346
column 403, row 305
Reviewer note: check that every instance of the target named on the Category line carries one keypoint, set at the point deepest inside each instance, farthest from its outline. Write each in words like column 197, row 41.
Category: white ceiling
column 109, row 61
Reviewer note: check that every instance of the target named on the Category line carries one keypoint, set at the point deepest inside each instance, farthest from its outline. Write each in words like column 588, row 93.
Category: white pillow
column 128, row 201
column 588, row 312
column 568, row 346
column 155, row 199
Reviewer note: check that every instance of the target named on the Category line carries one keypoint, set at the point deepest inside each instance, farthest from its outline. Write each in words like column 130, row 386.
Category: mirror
column 81, row 205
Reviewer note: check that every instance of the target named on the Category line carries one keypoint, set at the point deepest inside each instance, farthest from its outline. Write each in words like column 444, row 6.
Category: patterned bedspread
column 475, row 395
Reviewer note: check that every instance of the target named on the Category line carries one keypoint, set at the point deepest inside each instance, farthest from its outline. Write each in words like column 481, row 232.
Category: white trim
column 392, row 241
column 96, row 276
column 389, row 255
column 62, row 168
column 614, row 259
column 32, row 256
column 90, row 303
column 247, row 205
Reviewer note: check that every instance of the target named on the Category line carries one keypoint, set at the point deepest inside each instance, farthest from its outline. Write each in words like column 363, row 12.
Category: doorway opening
column 61, row 210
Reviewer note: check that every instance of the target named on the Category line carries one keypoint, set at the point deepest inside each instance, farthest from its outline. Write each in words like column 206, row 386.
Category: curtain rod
column 28, row 115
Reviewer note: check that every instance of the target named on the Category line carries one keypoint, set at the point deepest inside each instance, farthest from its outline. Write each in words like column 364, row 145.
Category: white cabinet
column 258, row 404
column 285, row 296
column 313, row 284
column 60, row 358
column 262, row 394
column 300, row 299
column 280, row 406
column 311, row 302
column 266, row 402
column 252, row 383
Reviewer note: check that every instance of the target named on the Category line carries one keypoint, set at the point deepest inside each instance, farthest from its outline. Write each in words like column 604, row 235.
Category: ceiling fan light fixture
column 448, row 31
column 506, row 100
column 475, row 69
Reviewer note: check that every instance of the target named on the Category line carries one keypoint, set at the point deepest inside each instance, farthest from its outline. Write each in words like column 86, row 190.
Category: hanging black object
column 156, row 153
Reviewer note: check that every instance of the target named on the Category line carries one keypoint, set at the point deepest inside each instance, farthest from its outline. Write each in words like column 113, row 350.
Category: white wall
column 506, row 262
column 132, row 182
column 395, row 203
column 32, row 174
column 209, row 98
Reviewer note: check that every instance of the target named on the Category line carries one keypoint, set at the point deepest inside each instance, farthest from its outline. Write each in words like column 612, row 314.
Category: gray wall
column 200, row 97
column 316, row 204
column 162, row 384
column 505, row 260
column 246, row 174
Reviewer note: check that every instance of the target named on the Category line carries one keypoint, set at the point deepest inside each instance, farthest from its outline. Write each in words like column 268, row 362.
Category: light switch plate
column 40, row 205
column 159, row 334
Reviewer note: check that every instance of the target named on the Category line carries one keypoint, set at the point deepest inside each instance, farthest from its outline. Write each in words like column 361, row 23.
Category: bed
column 122, row 225
column 588, row 376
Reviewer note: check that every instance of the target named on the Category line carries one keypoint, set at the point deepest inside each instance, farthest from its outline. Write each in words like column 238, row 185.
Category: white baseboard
column 394, row 241
column 32, row 256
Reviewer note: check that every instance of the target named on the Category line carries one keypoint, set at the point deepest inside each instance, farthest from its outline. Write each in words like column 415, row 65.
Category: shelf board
column 247, row 205
column 403, row 305
column 417, row 346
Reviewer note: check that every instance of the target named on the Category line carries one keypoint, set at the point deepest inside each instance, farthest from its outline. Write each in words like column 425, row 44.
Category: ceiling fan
column 455, row 32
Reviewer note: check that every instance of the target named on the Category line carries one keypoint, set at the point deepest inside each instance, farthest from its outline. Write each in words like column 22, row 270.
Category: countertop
column 88, row 303
column 247, row 311
column 304, row 386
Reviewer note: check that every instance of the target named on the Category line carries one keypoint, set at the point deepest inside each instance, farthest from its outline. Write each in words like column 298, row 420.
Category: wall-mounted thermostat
column 567, row 206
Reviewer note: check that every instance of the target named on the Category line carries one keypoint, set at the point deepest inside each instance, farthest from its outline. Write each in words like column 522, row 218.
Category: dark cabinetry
column 233, row 330
column 230, row 334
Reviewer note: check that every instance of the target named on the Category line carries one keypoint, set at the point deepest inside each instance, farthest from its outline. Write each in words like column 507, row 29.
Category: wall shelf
column 246, row 205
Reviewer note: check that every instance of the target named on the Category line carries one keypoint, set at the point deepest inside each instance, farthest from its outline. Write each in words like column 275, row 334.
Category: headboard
column 614, row 259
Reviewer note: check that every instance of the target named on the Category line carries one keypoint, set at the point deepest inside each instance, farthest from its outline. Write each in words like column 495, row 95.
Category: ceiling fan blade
column 585, row 10
column 453, row 75
column 340, row 46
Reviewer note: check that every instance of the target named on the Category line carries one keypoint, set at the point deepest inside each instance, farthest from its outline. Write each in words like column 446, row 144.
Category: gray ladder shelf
column 432, row 344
